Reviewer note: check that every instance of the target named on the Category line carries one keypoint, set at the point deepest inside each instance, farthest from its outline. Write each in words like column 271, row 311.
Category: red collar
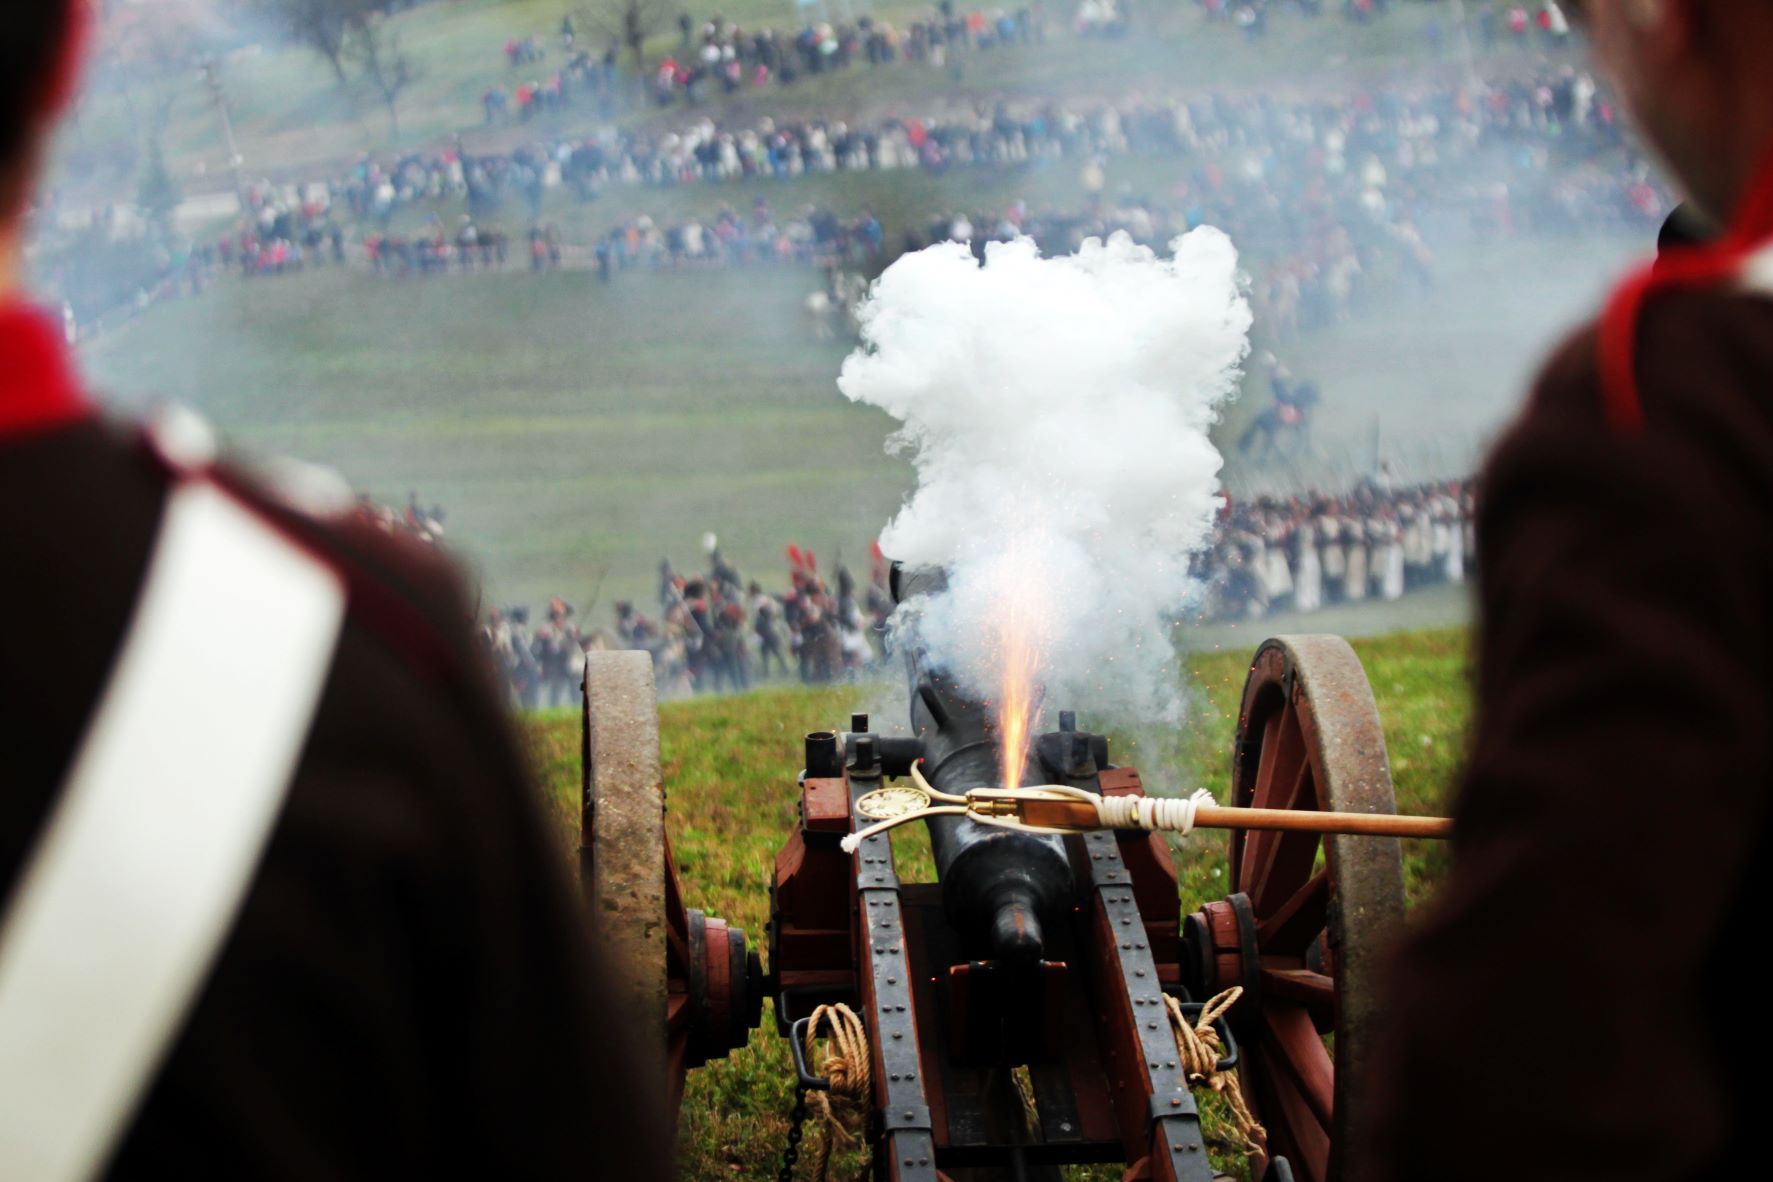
column 38, row 387
column 1749, row 231
column 1753, row 224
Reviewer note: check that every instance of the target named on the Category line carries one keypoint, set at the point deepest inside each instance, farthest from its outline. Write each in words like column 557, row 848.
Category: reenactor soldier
column 276, row 899
column 1582, row 999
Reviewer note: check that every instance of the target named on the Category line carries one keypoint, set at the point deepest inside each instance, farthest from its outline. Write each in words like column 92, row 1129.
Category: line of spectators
column 1328, row 201
column 724, row 55
column 813, row 236
column 1316, row 193
column 1545, row 26
column 1532, row 135
column 717, row 54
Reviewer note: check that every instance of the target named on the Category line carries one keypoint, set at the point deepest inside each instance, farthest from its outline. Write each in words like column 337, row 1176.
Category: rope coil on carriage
column 1201, row 1049
column 845, row 1064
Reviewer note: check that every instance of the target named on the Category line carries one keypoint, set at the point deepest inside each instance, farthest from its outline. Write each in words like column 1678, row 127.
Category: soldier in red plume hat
column 1582, row 999
column 276, row 899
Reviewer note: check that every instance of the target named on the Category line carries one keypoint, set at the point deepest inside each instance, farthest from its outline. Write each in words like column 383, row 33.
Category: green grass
column 571, row 429
column 729, row 771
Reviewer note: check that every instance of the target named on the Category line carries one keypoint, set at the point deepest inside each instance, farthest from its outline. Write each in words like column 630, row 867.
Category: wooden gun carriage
column 991, row 1058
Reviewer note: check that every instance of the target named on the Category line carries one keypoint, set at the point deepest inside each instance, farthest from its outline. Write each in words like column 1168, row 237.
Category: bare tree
column 369, row 42
column 631, row 22
column 322, row 25
column 148, row 55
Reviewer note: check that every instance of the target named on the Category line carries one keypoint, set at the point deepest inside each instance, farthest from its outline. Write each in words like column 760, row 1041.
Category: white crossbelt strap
column 1757, row 272
column 131, row 892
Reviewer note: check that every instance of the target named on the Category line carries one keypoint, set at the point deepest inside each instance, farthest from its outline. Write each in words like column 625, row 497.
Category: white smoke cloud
column 1057, row 412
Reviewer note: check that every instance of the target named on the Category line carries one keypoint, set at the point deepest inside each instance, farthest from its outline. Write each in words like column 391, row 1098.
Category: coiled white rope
column 1156, row 813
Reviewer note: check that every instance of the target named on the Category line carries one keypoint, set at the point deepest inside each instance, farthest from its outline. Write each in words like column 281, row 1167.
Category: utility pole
column 213, row 80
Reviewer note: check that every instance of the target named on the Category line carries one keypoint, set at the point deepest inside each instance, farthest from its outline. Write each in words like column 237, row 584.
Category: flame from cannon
column 1020, row 645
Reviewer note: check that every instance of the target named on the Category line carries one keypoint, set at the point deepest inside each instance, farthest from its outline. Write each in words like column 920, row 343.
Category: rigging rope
column 845, row 1065
column 1201, row 1049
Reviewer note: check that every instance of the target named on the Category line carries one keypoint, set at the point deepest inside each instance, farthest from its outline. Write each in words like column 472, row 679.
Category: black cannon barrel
column 999, row 887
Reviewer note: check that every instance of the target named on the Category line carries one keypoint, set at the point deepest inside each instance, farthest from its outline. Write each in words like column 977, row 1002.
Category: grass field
column 730, row 766
column 578, row 432
column 290, row 113
column 570, row 430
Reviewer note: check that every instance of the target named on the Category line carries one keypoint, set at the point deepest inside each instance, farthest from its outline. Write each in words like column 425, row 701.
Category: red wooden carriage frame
column 1302, row 929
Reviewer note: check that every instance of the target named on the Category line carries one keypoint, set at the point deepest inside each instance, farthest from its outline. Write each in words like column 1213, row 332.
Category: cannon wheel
column 1307, row 925
column 689, row 988
column 637, row 921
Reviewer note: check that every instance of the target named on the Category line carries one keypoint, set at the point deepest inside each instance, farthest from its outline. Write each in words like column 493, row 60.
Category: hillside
column 293, row 119
column 577, row 432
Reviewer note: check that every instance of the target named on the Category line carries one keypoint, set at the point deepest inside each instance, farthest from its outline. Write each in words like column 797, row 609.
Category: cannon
column 1017, row 1014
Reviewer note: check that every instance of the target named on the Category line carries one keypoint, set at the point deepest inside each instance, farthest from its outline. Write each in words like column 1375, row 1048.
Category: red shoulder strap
column 1617, row 342
column 1680, row 268
column 38, row 390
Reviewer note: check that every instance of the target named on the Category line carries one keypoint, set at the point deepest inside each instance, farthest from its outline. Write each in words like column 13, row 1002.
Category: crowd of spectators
column 813, row 236
column 1328, row 201
column 720, row 55
column 1525, row 153
column 581, row 82
column 717, row 55
column 1557, row 118
column 1520, row 153
column 1325, row 198
column 1493, row 25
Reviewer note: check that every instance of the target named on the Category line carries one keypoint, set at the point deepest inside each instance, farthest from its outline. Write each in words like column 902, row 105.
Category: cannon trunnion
column 1014, row 1010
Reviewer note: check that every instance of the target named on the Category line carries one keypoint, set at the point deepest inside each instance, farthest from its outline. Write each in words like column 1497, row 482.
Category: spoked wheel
column 689, row 989
column 1310, row 917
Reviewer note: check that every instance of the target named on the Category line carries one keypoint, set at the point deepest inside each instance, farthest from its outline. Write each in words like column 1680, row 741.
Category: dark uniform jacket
column 406, row 992
column 1586, row 998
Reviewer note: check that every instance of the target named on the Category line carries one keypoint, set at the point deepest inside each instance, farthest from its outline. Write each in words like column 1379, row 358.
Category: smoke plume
column 1057, row 412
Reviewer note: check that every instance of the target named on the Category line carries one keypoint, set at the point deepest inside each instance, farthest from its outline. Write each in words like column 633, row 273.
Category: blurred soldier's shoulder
column 1696, row 352
column 411, row 896
column 81, row 507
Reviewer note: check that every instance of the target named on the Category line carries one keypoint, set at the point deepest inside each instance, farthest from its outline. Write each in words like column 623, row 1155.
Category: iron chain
column 796, row 1127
